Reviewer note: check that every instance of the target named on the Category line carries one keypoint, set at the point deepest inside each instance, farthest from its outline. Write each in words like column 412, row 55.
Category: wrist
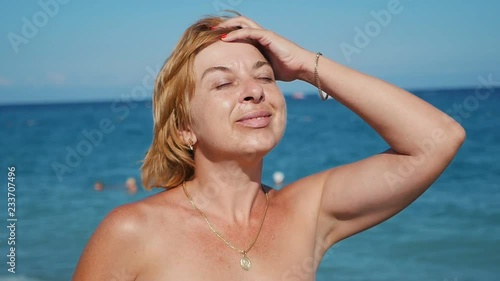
column 310, row 73
column 306, row 72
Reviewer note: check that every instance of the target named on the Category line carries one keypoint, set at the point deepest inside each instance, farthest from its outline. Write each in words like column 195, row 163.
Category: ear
column 188, row 136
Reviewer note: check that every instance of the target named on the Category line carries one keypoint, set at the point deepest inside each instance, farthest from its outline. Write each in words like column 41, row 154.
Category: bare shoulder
column 125, row 222
column 304, row 192
column 133, row 220
column 129, row 221
column 116, row 248
column 301, row 199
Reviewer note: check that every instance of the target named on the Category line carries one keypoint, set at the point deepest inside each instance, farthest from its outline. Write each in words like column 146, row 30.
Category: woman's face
column 237, row 108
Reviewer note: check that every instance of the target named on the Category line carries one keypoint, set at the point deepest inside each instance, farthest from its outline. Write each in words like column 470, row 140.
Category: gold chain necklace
column 245, row 262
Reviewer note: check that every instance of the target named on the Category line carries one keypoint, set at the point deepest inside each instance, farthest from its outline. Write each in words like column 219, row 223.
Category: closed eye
column 266, row 79
column 222, row 86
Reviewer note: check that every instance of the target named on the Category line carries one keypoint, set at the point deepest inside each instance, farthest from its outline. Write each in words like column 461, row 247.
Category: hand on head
column 287, row 58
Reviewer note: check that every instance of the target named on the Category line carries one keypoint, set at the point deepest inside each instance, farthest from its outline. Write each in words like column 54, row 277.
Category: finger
column 241, row 21
column 260, row 35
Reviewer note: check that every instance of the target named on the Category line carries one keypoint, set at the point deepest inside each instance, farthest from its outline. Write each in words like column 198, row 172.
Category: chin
column 260, row 146
column 250, row 156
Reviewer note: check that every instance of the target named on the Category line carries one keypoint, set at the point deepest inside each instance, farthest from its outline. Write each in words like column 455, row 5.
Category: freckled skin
column 282, row 250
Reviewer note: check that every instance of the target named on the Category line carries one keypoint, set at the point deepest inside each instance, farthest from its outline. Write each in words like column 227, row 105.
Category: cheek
column 280, row 105
column 198, row 117
column 209, row 116
column 281, row 120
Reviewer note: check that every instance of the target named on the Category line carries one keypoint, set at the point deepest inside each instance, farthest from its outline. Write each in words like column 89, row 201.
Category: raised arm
column 422, row 139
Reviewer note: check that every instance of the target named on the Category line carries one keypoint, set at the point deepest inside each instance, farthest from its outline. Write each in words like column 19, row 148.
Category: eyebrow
column 260, row 64
column 255, row 66
column 214, row 69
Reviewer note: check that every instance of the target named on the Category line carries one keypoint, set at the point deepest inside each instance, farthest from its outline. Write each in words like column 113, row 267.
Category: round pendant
column 245, row 263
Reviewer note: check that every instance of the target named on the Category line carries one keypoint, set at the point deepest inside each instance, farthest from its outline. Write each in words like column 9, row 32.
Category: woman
column 217, row 112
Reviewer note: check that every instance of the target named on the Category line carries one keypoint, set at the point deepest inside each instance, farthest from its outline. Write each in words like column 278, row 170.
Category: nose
column 253, row 93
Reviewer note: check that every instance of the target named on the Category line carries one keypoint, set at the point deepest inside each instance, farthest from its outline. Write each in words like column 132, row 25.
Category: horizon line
column 287, row 94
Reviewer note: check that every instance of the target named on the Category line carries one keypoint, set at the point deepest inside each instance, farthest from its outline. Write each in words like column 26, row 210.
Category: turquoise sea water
column 451, row 233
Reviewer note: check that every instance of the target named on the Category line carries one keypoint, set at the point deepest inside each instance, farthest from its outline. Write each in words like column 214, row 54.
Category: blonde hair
column 169, row 160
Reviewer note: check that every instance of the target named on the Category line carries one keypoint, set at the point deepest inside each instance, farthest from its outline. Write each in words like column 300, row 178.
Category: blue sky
column 100, row 50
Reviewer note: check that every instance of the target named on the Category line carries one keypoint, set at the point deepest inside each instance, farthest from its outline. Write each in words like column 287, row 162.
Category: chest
column 284, row 250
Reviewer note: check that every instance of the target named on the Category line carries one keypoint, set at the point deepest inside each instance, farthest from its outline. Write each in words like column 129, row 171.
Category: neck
column 227, row 189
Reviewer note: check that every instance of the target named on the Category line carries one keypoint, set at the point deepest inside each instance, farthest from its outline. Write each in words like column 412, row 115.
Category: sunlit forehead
column 256, row 65
column 229, row 58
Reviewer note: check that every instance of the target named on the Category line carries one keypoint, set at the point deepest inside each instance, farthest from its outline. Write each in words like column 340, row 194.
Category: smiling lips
column 255, row 119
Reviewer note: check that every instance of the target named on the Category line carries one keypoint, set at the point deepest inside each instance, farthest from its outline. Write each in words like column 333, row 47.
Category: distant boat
column 298, row 96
